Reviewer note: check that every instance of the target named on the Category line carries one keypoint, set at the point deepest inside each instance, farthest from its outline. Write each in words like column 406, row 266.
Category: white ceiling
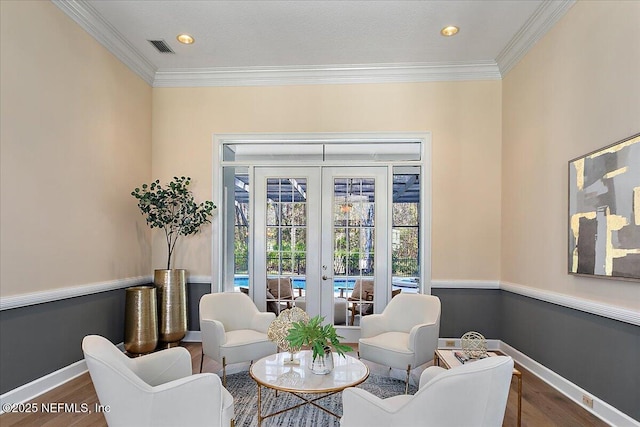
column 305, row 41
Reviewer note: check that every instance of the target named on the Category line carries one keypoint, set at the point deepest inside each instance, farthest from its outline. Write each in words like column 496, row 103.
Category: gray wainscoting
column 42, row 338
column 194, row 293
column 598, row 354
column 593, row 352
column 464, row 310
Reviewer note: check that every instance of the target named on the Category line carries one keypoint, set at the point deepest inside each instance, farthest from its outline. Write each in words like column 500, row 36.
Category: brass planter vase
column 140, row 320
column 172, row 305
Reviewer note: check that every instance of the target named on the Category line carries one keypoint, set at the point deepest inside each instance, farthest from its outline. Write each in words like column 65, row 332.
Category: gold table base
column 298, row 395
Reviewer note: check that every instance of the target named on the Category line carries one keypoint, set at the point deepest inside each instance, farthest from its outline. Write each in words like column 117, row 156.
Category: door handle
column 324, row 277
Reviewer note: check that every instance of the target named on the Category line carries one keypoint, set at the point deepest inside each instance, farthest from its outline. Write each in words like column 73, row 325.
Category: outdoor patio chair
column 361, row 299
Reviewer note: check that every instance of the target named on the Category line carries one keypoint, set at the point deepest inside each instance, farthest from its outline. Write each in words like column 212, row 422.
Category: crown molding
column 93, row 23
column 544, row 18
column 327, row 74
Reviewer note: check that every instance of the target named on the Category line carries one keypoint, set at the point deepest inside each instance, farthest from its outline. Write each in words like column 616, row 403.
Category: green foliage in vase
column 317, row 336
column 173, row 209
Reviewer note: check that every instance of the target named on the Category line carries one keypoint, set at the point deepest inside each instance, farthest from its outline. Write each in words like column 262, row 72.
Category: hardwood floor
column 541, row 404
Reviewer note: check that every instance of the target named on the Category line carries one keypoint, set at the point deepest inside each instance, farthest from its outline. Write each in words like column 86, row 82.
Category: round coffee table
column 273, row 373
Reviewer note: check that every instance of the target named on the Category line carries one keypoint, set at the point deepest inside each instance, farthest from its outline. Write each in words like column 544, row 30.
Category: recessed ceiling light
column 449, row 31
column 185, row 39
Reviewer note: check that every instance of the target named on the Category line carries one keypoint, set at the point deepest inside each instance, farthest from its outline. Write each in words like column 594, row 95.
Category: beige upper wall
column 77, row 127
column 464, row 118
column 576, row 91
column 75, row 140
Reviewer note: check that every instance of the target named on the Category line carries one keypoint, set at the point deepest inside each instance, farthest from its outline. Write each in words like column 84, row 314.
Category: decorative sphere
column 279, row 328
column 474, row 345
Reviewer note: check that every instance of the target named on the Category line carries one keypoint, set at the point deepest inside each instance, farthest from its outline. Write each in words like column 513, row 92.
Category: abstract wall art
column 604, row 212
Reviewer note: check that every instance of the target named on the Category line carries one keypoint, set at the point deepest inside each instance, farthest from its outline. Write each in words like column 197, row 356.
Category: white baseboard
column 42, row 385
column 193, row 336
column 601, row 409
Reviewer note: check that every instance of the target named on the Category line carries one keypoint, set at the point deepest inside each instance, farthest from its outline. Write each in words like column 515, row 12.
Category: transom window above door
column 281, row 151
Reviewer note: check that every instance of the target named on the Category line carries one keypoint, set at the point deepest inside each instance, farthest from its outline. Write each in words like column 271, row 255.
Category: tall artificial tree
column 173, row 209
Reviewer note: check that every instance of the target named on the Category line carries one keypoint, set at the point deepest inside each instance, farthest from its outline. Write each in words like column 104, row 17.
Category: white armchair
column 157, row 389
column 474, row 394
column 404, row 335
column 233, row 330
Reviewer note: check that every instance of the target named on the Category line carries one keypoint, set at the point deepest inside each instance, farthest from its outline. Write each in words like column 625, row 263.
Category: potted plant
column 321, row 339
column 173, row 209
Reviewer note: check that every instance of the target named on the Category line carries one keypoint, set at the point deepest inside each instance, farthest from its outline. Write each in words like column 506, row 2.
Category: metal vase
column 140, row 320
column 172, row 305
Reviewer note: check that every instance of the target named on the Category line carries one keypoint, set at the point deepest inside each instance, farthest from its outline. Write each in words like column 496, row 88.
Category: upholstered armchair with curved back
column 470, row 395
column 405, row 335
column 157, row 389
column 233, row 330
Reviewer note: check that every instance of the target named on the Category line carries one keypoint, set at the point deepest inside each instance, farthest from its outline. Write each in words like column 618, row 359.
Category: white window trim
column 331, row 138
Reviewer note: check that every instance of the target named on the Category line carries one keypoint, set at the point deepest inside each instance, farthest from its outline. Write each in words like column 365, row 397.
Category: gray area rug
column 245, row 398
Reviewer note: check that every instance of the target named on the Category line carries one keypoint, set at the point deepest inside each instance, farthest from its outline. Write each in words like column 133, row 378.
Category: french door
column 321, row 240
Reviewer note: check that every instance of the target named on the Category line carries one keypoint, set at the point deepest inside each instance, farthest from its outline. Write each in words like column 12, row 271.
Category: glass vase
column 322, row 365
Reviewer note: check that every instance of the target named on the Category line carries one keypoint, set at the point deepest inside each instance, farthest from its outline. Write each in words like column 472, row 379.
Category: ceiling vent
column 161, row 45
